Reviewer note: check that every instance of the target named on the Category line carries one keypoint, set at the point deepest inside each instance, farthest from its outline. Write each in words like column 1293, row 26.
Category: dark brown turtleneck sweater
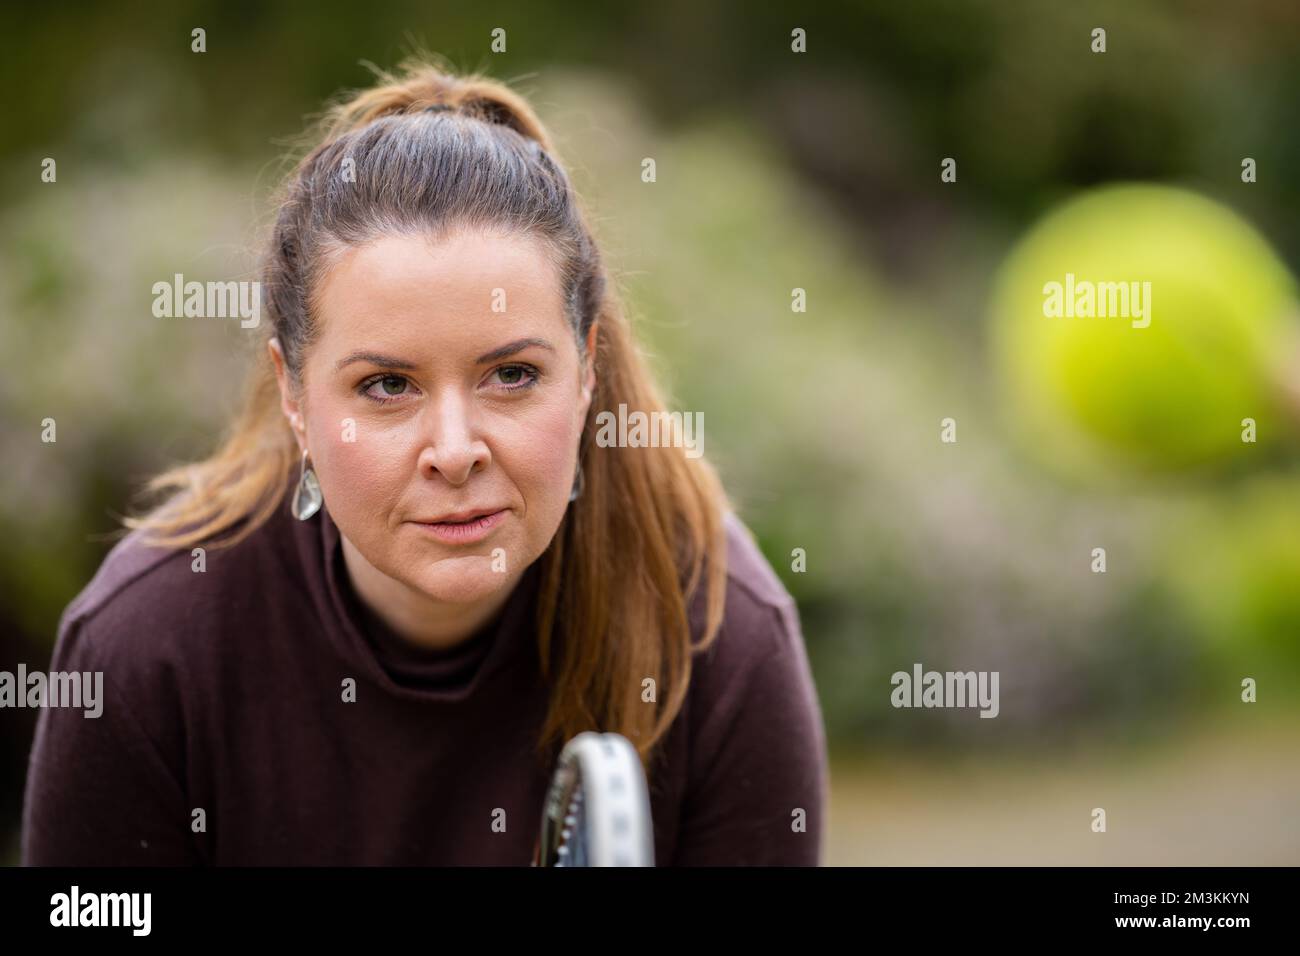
column 223, row 693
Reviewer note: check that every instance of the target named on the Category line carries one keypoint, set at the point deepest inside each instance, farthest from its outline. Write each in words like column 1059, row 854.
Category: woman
column 361, row 631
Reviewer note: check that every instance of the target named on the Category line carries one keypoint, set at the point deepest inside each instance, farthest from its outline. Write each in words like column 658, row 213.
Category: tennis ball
column 1137, row 326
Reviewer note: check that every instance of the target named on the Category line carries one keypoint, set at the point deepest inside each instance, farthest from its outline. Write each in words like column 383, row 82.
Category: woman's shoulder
column 145, row 600
column 756, row 763
column 760, row 638
column 748, row 567
column 132, row 574
column 760, row 615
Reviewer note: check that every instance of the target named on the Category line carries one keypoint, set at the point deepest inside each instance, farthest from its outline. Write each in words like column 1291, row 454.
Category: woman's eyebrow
column 375, row 358
column 512, row 348
column 388, row 361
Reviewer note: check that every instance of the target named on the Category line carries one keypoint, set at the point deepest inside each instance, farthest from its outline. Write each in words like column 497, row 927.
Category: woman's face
column 445, row 383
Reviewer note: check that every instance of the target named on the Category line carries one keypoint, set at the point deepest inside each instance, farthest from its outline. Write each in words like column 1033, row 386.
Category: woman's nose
column 452, row 447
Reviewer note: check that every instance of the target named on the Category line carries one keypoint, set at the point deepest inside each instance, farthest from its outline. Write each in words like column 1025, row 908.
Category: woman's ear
column 288, row 399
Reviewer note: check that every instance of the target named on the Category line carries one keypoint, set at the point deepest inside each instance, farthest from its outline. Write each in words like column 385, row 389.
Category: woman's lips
column 463, row 532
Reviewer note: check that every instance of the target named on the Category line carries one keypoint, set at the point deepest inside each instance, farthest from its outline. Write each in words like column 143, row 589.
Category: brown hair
column 433, row 151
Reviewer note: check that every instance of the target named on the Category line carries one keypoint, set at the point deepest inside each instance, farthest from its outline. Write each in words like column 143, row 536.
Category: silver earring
column 306, row 497
column 579, row 482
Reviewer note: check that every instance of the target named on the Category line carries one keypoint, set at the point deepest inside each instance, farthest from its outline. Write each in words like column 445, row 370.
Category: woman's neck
column 414, row 616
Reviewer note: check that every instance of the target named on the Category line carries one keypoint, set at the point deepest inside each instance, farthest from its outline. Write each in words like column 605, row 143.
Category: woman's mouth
column 458, row 530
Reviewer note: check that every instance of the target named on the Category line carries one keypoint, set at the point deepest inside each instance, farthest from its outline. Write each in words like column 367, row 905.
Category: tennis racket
column 597, row 810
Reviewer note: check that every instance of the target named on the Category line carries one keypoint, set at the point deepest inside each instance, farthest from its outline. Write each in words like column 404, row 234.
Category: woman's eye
column 391, row 388
column 517, row 376
column 383, row 388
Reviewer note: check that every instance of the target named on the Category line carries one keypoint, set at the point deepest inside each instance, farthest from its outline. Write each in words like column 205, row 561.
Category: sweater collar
column 401, row 669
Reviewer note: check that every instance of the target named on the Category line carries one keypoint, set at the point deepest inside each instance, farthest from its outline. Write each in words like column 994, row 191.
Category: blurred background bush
column 775, row 171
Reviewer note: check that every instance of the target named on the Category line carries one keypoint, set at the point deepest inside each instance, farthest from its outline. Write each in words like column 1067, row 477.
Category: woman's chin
column 461, row 580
